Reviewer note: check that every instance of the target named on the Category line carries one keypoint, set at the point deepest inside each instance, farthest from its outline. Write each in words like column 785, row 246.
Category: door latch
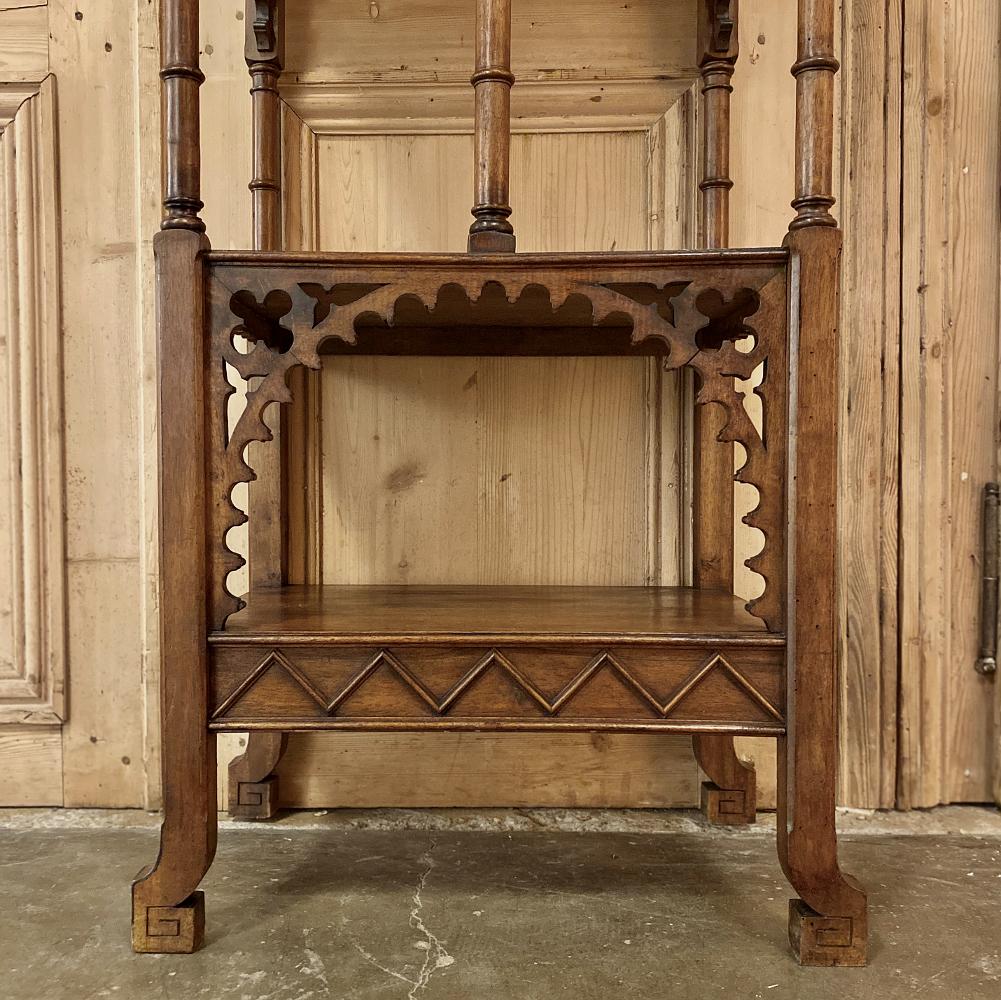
column 987, row 661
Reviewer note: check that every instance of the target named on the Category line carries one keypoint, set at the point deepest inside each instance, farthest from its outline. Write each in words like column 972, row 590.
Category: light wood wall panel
column 32, row 595
column 431, row 40
column 31, row 759
column 24, row 41
column 949, row 372
column 32, row 592
column 869, row 205
column 104, row 737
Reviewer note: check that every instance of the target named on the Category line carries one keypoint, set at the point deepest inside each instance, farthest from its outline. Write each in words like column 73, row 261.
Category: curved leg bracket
column 829, row 923
column 253, row 787
column 729, row 798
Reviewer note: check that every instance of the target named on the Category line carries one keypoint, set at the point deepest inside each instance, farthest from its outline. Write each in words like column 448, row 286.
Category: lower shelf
column 497, row 658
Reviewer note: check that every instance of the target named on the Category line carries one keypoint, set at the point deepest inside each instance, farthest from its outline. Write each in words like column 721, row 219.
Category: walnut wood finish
column 167, row 912
column 492, row 81
column 717, row 58
column 265, row 24
column 828, row 925
column 690, row 307
column 729, row 795
column 620, row 658
column 636, row 659
column 253, row 788
column 475, row 614
column 814, row 71
column 265, row 56
column 180, row 79
column 253, row 785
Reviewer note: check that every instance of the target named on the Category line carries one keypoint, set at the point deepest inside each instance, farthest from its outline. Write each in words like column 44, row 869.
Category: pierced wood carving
column 340, row 691
column 285, row 320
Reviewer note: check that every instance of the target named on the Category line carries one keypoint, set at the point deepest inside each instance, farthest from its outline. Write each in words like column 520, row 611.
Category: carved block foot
column 728, row 806
column 169, row 930
column 827, row 941
column 254, row 800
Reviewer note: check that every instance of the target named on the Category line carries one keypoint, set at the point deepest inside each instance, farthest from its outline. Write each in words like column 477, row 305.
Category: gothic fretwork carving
column 724, row 326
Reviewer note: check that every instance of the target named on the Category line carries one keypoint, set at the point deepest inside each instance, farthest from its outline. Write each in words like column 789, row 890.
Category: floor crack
column 436, row 956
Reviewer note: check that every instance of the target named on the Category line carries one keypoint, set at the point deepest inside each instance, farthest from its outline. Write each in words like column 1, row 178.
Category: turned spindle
column 492, row 81
column 181, row 79
column 718, row 48
column 713, row 542
column 265, row 44
column 814, row 71
column 264, row 53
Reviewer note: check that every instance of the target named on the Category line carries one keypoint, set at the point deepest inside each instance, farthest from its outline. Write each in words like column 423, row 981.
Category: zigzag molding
column 443, row 704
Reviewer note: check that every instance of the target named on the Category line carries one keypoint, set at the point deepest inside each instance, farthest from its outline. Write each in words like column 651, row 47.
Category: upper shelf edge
column 737, row 256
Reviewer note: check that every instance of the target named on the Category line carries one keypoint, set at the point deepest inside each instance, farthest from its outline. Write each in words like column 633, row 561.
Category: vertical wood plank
column 974, row 224
column 103, row 739
column 869, row 210
column 948, row 372
column 149, row 210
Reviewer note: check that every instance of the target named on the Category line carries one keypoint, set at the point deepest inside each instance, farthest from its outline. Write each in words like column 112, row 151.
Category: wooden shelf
column 403, row 614
column 634, row 659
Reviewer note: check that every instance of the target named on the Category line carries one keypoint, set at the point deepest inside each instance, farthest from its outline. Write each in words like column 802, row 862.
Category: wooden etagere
column 687, row 659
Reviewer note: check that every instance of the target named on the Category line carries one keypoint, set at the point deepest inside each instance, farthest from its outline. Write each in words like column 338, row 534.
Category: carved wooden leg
column 253, row 787
column 828, row 924
column 729, row 797
column 168, row 915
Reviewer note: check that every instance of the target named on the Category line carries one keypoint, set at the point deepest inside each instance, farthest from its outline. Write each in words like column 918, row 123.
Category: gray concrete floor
column 523, row 904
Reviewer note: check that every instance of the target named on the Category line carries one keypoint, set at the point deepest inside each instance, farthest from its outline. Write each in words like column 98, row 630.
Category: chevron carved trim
column 537, row 701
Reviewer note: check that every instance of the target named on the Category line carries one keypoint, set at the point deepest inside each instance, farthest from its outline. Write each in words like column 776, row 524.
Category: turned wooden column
column 814, row 70
column 492, row 81
column 265, row 55
column 253, row 787
column 828, row 924
column 180, row 79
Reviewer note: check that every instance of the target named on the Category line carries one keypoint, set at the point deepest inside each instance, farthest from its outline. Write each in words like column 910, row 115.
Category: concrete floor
column 525, row 904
